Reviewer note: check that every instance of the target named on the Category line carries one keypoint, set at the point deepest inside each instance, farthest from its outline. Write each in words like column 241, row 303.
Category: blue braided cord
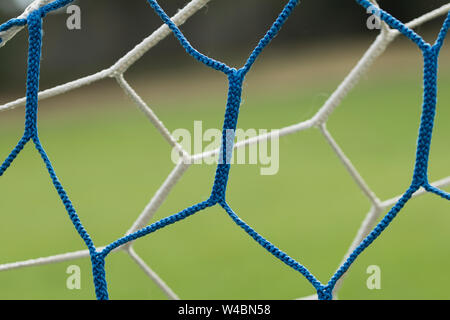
column 427, row 119
column 20, row 145
column 64, row 197
column 217, row 65
column 273, row 31
column 443, row 33
column 12, row 23
column 35, row 39
column 34, row 22
column 376, row 232
column 43, row 11
column 55, row 5
column 271, row 248
column 420, row 177
column 99, row 273
column 437, row 191
column 396, row 24
column 158, row 225
column 236, row 78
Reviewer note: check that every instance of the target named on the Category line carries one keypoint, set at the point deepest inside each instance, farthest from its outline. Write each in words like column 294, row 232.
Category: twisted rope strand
column 442, row 34
column 271, row 248
column 273, row 31
column 217, row 65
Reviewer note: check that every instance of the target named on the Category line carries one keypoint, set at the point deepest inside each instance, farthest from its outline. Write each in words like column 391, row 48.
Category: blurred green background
column 111, row 161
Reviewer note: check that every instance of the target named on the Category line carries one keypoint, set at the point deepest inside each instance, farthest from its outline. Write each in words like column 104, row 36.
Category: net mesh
column 369, row 230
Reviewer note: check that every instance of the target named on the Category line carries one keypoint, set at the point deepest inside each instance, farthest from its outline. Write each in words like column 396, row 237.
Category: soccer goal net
column 371, row 228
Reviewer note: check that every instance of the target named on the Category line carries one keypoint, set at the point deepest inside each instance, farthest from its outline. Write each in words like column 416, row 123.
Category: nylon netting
column 369, row 230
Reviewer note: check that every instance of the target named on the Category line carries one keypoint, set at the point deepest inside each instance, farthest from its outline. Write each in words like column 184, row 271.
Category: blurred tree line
column 110, row 28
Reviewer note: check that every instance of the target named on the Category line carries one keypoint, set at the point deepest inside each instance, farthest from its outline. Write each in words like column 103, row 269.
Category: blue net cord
column 236, row 78
column 12, row 23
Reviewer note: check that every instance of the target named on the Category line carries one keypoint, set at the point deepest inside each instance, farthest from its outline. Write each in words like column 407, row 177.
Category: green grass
column 111, row 161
